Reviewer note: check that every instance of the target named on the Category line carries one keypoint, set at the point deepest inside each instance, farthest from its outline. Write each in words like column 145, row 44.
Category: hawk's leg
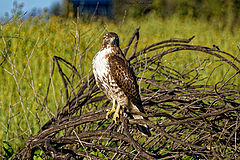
column 112, row 110
column 116, row 114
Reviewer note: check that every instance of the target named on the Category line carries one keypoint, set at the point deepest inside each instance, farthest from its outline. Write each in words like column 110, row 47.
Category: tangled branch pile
column 186, row 118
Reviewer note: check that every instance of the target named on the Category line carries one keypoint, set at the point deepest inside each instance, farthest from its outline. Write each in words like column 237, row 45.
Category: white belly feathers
column 101, row 70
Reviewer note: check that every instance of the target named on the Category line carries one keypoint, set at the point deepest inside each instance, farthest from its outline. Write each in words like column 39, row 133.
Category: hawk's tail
column 142, row 128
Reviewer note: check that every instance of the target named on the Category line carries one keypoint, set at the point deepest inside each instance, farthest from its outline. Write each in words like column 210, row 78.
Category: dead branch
column 187, row 118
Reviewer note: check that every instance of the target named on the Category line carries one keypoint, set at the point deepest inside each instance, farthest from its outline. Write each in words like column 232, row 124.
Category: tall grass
column 27, row 48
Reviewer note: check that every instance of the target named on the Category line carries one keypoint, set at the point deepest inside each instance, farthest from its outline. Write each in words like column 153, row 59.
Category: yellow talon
column 121, row 112
column 116, row 114
column 112, row 110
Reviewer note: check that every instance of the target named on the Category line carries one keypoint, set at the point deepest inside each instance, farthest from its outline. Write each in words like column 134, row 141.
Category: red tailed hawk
column 115, row 77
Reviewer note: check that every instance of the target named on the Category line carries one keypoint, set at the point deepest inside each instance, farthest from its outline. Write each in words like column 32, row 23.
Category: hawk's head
column 110, row 39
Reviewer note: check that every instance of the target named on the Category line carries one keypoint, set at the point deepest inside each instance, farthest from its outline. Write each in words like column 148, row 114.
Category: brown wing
column 125, row 78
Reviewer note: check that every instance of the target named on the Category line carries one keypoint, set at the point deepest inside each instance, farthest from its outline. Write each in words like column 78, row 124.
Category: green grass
column 26, row 71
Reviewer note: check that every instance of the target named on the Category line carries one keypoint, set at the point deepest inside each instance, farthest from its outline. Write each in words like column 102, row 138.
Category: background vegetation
column 28, row 46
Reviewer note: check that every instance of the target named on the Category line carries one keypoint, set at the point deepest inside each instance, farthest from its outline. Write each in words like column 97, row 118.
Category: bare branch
column 187, row 116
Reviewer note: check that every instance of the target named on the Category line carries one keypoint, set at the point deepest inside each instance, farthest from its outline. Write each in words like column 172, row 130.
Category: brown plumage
column 115, row 77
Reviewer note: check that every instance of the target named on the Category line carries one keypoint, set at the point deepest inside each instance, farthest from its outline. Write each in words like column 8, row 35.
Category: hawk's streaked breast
column 104, row 79
column 101, row 67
